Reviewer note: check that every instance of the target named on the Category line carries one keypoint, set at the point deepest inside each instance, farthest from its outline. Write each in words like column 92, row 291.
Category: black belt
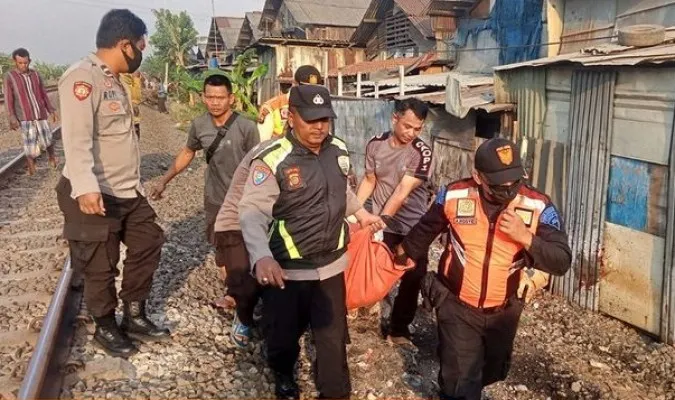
column 485, row 310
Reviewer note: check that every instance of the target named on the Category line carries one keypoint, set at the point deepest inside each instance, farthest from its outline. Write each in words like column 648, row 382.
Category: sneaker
column 241, row 334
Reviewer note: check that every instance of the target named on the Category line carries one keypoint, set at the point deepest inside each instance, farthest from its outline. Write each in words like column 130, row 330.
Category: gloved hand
column 433, row 292
column 531, row 281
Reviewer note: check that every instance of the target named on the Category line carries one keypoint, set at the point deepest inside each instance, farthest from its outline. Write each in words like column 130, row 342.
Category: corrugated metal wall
column 527, row 88
column 635, row 275
column 357, row 121
column 667, row 310
column 591, row 111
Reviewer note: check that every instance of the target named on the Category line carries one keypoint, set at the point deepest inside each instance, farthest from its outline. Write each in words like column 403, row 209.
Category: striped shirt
column 25, row 96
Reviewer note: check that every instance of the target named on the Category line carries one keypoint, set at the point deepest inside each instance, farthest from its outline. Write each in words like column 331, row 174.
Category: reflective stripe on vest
column 475, row 244
column 275, row 157
column 293, row 252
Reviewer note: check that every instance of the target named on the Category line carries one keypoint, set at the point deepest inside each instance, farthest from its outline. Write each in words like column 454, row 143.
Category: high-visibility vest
column 481, row 264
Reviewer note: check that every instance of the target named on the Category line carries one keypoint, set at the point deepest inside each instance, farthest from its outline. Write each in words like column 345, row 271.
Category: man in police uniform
column 497, row 225
column 298, row 186
column 100, row 194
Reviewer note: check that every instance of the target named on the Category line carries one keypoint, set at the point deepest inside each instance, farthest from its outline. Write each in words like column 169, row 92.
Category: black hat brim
column 315, row 113
column 504, row 176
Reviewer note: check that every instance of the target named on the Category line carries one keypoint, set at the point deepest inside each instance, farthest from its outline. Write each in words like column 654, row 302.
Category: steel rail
column 42, row 354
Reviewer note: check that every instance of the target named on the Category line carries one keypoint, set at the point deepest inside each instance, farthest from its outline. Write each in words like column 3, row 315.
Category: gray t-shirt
column 390, row 164
column 240, row 139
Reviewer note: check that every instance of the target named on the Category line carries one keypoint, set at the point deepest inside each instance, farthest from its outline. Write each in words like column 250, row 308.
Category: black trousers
column 241, row 285
column 474, row 347
column 137, row 129
column 94, row 243
column 405, row 304
column 321, row 306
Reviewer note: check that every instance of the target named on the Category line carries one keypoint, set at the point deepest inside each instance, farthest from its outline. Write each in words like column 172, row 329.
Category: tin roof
column 367, row 67
column 229, row 28
column 416, row 10
column 438, row 80
column 609, row 54
column 342, row 13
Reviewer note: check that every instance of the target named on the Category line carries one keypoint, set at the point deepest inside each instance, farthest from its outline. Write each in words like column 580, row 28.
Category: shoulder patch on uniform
column 260, row 174
column 343, row 162
column 425, row 156
column 81, row 90
column 551, row 217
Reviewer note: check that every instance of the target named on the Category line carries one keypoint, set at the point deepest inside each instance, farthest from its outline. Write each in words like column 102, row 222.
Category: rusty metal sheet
column 527, row 89
column 631, row 278
column 585, row 22
column 587, row 171
column 451, row 161
column 357, row 121
column 644, row 104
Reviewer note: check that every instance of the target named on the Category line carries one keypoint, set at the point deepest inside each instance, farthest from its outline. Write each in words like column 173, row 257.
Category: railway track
column 35, row 279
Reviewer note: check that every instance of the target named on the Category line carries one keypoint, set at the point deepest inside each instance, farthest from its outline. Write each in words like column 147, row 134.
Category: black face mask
column 504, row 194
column 133, row 63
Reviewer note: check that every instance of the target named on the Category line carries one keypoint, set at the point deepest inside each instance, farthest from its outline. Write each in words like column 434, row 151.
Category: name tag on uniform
column 466, row 212
column 526, row 215
column 466, row 208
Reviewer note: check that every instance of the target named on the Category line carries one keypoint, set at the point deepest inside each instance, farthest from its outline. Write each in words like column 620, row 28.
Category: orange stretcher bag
column 371, row 273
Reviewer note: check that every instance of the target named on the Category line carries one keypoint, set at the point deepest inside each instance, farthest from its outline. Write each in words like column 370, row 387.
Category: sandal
column 241, row 334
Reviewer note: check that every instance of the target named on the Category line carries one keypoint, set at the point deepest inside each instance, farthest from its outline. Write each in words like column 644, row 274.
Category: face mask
column 133, row 63
column 504, row 194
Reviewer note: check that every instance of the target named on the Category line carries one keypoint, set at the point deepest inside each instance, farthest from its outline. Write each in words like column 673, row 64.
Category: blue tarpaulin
column 516, row 25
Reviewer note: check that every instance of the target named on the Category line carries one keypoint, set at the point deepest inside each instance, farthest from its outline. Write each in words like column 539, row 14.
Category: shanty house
column 299, row 32
column 596, row 130
column 395, row 28
column 334, row 20
column 223, row 37
column 250, row 32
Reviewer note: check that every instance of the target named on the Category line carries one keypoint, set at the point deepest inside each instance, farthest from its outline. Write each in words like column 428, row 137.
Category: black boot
column 113, row 341
column 138, row 326
column 285, row 386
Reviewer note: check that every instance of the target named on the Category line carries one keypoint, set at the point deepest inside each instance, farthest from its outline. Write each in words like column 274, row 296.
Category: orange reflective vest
column 278, row 111
column 481, row 265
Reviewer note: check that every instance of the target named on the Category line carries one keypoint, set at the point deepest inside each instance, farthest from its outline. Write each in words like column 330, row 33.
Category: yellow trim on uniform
column 288, row 241
column 339, row 143
column 275, row 157
column 341, row 242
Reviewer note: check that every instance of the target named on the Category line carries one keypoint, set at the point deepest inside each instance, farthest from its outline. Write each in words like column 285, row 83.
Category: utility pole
column 215, row 33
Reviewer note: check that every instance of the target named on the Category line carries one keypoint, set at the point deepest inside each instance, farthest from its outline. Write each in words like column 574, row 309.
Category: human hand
column 531, row 281
column 513, row 226
column 13, row 123
column 91, row 204
column 157, row 191
column 269, row 272
column 262, row 114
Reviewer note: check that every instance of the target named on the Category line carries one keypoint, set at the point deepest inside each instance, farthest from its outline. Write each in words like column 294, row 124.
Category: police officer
column 292, row 219
column 100, row 193
column 497, row 225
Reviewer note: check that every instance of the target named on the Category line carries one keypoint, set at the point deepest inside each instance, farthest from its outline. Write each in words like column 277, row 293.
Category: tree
column 174, row 36
column 153, row 65
column 243, row 82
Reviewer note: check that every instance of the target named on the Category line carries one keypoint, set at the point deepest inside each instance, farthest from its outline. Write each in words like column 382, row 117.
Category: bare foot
column 53, row 162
